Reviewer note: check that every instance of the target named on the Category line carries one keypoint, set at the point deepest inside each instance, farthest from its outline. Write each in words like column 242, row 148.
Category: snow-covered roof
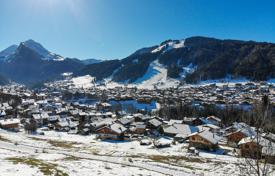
column 63, row 123
column 102, row 122
column 268, row 147
column 182, row 129
column 214, row 118
column 118, row 128
column 53, row 118
column 171, row 122
column 211, row 126
column 9, row 121
column 209, row 136
column 125, row 121
column 155, row 122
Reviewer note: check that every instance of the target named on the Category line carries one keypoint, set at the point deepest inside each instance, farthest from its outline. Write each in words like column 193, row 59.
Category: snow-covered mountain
column 189, row 60
column 31, row 63
column 169, row 45
column 169, row 63
column 35, row 46
column 7, row 52
column 38, row 48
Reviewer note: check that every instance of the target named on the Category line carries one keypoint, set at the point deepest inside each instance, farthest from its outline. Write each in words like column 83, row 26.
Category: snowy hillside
column 83, row 81
column 192, row 60
column 7, row 52
column 37, row 47
column 58, row 153
column 174, row 44
column 156, row 76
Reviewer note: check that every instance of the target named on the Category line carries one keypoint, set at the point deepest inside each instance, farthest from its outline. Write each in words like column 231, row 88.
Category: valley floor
column 62, row 154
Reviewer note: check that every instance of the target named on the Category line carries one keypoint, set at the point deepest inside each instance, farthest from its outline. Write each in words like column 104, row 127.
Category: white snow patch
column 271, row 81
column 58, row 58
column 186, row 70
column 50, row 156
column 170, row 45
column 109, row 157
column 156, row 75
column 67, row 74
column 135, row 61
column 83, row 81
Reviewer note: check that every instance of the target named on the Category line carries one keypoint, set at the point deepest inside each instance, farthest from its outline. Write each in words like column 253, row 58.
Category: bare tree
column 257, row 152
column 30, row 126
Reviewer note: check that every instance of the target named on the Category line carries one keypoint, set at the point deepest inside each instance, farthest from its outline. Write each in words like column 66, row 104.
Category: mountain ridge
column 28, row 66
column 189, row 60
column 211, row 58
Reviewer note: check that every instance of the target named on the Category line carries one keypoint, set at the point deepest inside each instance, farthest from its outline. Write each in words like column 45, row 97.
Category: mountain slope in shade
column 3, row 80
column 193, row 59
column 7, row 52
column 39, row 49
column 90, row 61
column 35, row 46
column 27, row 66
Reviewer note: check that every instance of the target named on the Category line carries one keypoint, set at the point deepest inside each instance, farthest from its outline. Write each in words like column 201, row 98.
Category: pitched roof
column 183, row 129
column 118, row 128
column 171, row 122
column 9, row 121
column 102, row 122
column 209, row 136
column 155, row 122
column 126, row 121
column 214, row 118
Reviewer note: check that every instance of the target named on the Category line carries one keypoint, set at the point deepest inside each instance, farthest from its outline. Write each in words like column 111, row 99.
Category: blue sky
column 111, row 29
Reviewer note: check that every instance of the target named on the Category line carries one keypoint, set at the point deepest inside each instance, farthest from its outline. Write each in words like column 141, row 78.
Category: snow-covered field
column 83, row 81
column 65, row 154
column 156, row 75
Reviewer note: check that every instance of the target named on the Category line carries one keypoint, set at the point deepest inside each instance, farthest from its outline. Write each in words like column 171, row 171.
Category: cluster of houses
column 237, row 94
column 46, row 109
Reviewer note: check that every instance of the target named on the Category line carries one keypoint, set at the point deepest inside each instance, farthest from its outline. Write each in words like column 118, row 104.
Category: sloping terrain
column 210, row 59
column 3, row 80
column 190, row 60
column 27, row 66
column 58, row 153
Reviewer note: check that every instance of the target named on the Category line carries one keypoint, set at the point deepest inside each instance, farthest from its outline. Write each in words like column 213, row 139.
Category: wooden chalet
column 253, row 147
column 9, row 124
column 249, row 147
column 114, row 132
column 204, row 140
